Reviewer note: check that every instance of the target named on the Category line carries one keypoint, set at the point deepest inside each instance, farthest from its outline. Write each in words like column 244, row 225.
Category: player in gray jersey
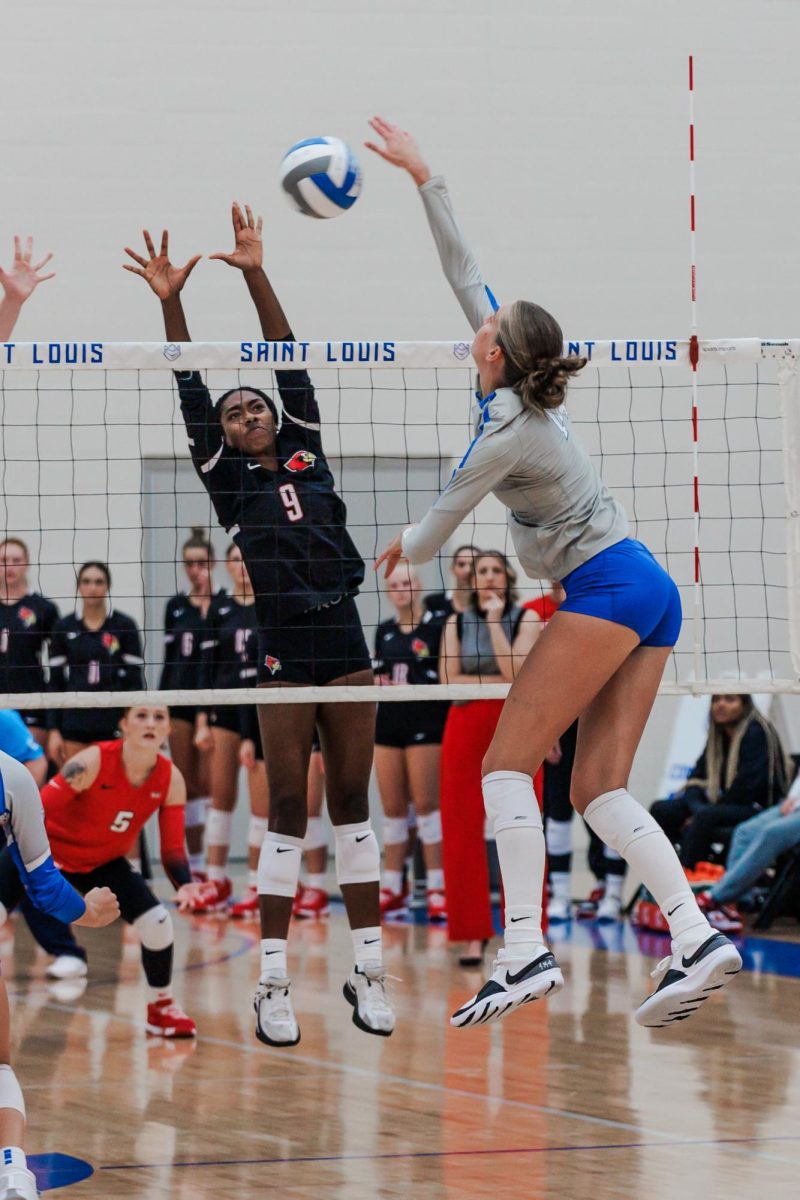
column 602, row 655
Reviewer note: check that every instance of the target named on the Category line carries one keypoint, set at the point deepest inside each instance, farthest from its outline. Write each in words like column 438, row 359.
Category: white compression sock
column 624, row 825
column 511, row 805
column 368, row 945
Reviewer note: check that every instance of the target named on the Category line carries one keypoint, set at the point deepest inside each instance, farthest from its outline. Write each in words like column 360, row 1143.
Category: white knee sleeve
column 155, row 928
column 395, row 831
column 3, row 914
column 510, row 801
column 10, row 1091
column 316, row 834
column 218, row 828
column 279, row 865
column 257, row 831
column 619, row 820
column 358, row 858
column 195, row 812
column 558, row 835
column 429, row 828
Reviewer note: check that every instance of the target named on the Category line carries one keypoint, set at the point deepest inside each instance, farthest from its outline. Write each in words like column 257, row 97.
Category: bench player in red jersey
column 94, row 811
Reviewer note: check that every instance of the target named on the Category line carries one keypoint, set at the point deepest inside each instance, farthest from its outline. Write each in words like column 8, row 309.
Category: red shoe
column 215, row 897
column 587, row 909
column 393, row 904
column 199, row 877
column 723, row 917
column 437, row 906
column 247, row 907
column 166, row 1019
column 311, row 902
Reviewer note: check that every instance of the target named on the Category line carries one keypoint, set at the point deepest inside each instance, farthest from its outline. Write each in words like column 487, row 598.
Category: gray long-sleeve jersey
column 560, row 512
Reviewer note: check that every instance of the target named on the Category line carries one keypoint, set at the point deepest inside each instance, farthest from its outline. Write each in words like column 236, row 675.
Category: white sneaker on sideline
column 515, row 982
column 275, row 1020
column 559, row 910
column 688, row 980
column 366, row 991
column 609, row 910
column 67, row 966
column 17, row 1183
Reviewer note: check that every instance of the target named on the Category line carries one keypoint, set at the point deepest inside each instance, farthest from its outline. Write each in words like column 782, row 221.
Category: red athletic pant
column 469, row 730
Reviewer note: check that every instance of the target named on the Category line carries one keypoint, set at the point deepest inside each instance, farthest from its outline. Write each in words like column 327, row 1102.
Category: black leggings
column 133, row 894
column 695, row 825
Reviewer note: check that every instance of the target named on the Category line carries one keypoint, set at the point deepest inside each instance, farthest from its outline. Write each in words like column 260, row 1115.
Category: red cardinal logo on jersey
column 301, row 460
column 27, row 616
column 421, row 649
column 273, row 665
column 111, row 643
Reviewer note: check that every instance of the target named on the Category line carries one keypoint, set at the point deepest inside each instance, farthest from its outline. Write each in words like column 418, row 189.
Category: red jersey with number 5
column 91, row 828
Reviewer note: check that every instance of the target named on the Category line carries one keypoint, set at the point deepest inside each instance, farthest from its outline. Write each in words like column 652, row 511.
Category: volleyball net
column 94, row 465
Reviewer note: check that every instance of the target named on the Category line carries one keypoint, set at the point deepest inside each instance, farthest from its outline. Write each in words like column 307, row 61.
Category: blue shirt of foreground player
column 15, row 738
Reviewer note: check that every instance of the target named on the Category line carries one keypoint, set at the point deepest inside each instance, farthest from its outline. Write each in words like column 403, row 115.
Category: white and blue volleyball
column 321, row 177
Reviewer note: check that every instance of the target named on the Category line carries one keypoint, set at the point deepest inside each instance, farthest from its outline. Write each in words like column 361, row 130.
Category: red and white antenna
column 694, row 356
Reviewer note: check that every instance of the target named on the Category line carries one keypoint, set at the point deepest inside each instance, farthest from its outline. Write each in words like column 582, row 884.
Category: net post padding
column 789, row 387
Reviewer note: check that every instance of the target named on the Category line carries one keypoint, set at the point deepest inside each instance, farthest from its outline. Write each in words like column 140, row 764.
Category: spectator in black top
column 408, row 743
column 96, row 649
column 229, row 658
column 26, row 624
column 742, row 770
column 184, row 623
column 443, row 604
column 272, row 488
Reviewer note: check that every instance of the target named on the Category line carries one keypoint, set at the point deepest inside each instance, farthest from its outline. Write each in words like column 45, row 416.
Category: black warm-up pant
column 695, row 824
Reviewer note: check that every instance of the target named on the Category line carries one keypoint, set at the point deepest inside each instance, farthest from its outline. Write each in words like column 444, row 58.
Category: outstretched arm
column 18, row 283
column 461, row 270
column 248, row 257
column 166, row 281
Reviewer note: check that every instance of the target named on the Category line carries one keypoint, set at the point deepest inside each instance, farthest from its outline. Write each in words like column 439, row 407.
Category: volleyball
column 321, row 177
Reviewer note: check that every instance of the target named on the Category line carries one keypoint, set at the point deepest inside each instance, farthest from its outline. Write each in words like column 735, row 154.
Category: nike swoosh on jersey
column 253, row 466
column 223, row 612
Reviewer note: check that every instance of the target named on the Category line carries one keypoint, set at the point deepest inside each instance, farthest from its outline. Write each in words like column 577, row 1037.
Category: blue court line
column 346, row 1158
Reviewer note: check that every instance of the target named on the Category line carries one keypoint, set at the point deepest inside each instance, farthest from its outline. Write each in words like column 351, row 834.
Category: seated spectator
column 742, row 770
column 94, row 649
column 756, row 845
column 487, row 643
column 444, row 604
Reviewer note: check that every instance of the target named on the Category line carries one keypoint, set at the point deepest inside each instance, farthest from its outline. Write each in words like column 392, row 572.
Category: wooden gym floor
column 568, row 1099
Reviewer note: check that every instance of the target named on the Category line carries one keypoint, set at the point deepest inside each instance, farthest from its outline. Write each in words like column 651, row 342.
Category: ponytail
column 533, row 346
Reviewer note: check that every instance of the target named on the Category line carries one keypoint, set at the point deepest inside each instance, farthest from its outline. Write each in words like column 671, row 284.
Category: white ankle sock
column 368, row 945
column 317, row 881
column 393, row 880
column 13, row 1156
column 613, row 886
column 273, row 957
column 624, row 825
column 511, row 805
column 435, row 879
column 559, row 882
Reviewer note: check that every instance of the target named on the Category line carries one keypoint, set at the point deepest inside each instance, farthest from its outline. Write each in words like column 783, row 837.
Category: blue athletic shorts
column 626, row 585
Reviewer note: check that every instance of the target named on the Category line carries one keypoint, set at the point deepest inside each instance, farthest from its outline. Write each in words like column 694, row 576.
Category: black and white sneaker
column 688, row 980
column 515, row 981
column 275, row 1020
column 366, row 991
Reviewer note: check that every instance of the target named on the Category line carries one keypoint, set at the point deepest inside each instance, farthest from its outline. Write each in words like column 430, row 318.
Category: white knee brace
column 395, row 831
column 429, row 828
column 257, row 831
column 195, row 812
column 218, row 828
column 558, row 835
column 510, row 801
column 316, row 834
column 279, row 865
column 155, row 928
column 358, row 858
column 10, row 1091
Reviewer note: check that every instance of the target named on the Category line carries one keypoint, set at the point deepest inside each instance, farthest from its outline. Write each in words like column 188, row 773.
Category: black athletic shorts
column 36, row 717
column 184, row 712
column 411, row 723
column 135, row 897
column 225, row 717
column 90, row 724
column 317, row 647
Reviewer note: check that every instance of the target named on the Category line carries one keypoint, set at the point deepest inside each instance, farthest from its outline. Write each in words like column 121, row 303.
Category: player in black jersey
column 26, row 624
column 273, row 490
column 229, row 656
column 444, row 604
column 408, row 741
column 99, row 650
column 184, row 623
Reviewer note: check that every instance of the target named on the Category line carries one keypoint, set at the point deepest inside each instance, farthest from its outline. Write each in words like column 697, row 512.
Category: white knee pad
column 155, row 928
column 619, row 820
column 429, row 828
column 316, row 834
column 358, row 858
column 3, row 914
column 558, row 835
column 510, row 801
column 10, row 1091
column 256, row 831
column 279, row 865
column 195, row 812
column 395, row 831
column 218, row 828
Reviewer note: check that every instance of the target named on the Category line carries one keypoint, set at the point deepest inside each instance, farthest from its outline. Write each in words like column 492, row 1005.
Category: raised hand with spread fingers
column 23, row 277
column 247, row 253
